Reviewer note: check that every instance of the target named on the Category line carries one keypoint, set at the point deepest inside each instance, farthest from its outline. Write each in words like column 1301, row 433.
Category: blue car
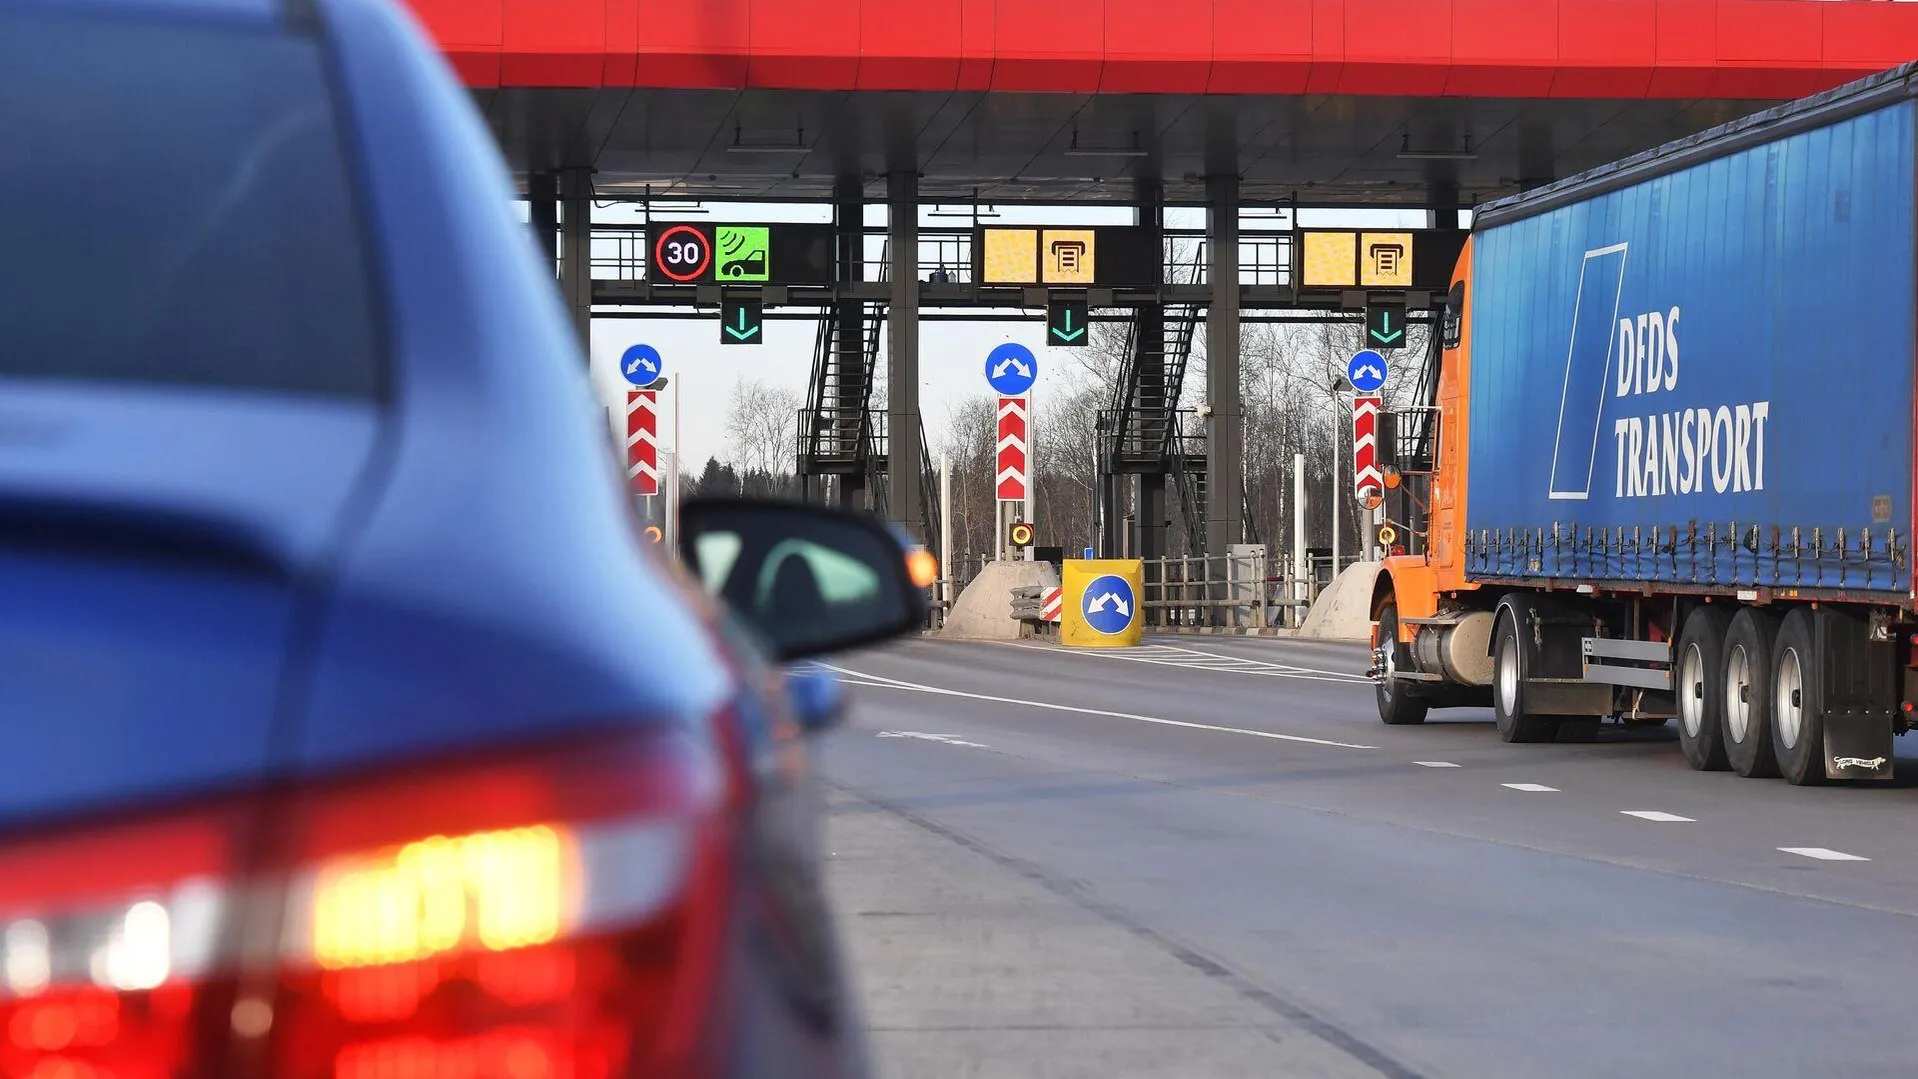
column 351, row 730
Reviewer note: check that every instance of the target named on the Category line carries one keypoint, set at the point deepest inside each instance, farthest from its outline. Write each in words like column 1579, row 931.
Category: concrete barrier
column 983, row 609
column 1344, row 610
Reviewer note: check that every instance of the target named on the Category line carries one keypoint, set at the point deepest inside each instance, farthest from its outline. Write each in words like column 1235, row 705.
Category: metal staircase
column 836, row 433
column 1141, row 424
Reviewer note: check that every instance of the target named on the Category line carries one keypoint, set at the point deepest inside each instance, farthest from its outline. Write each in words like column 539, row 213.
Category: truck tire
column 1508, row 689
column 1748, row 694
column 1698, row 681
column 1797, row 728
column 1398, row 707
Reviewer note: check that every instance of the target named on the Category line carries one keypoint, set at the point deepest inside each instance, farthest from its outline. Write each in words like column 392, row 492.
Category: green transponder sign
column 742, row 253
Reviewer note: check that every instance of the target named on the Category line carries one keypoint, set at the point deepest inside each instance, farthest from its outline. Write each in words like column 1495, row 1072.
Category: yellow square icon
column 1330, row 259
column 1385, row 259
column 1068, row 256
column 1012, row 257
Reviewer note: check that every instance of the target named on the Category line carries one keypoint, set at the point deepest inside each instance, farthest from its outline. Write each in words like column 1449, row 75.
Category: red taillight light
column 553, row 916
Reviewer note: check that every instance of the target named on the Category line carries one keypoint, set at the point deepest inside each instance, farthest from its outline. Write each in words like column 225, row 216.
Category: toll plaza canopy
column 1319, row 100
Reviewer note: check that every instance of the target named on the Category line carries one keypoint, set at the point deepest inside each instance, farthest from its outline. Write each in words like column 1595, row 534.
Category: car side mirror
column 812, row 580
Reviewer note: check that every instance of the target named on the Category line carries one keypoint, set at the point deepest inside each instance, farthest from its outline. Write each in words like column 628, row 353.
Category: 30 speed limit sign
column 682, row 253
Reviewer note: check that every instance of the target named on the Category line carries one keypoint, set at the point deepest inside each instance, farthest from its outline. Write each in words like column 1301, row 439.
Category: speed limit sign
column 682, row 253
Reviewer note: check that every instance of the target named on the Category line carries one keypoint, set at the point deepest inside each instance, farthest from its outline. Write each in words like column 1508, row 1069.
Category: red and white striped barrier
column 1365, row 444
column 1052, row 609
column 642, row 441
column 1012, row 472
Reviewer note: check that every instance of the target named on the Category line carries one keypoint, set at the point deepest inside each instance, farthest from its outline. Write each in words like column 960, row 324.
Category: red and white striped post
column 642, row 441
column 1013, row 476
column 1367, row 478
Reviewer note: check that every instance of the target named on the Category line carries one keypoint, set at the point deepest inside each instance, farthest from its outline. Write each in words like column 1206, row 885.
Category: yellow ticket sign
column 1069, row 256
column 1385, row 259
column 1102, row 602
column 1012, row 256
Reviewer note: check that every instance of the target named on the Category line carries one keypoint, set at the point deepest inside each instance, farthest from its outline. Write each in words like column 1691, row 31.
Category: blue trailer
column 1673, row 469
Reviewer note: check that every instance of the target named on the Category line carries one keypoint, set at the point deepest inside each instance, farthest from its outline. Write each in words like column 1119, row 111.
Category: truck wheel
column 1397, row 706
column 1748, row 694
column 1508, row 696
column 1797, row 727
column 1698, row 680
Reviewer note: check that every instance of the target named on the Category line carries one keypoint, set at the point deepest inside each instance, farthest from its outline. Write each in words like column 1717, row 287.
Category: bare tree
column 761, row 426
column 972, row 431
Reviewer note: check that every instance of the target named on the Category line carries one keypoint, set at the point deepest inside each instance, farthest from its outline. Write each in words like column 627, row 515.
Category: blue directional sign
column 1366, row 371
column 642, row 365
column 1011, row 368
column 1109, row 604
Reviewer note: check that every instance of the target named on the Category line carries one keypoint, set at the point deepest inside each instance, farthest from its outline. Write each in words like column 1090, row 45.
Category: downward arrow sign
column 744, row 332
column 1385, row 334
column 1068, row 333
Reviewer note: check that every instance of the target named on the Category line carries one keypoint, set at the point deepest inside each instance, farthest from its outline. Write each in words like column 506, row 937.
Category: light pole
column 1339, row 385
column 671, row 487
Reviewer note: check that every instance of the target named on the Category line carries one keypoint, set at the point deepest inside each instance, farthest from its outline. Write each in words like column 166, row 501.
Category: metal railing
column 620, row 253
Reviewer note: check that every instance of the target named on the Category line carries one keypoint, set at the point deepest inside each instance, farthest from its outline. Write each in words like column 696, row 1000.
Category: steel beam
column 849, row 318
column 1224, row 430
column 1151, row 502
column 542, row 195
column 576, row 249
column 902, row 355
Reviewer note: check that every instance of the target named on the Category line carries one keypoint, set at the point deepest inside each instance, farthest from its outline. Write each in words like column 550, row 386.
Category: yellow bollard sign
column 1102, row 602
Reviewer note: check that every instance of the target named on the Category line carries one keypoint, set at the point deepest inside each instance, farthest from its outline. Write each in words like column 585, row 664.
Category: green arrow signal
column 743, row 333
column 1385, row 334
column 1068, row 333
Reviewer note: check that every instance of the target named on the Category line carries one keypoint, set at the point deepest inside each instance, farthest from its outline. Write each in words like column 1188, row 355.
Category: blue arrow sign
column 1366, row 371
column 1011, row 369
column 642, row 365
column 1109, row 605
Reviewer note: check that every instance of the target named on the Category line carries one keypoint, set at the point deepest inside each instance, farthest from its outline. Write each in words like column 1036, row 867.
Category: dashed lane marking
column 1531, row 787
column 1435, row 764
column 1657, row 815
column 1825, row 854
column 881, row 682
column 945, row 738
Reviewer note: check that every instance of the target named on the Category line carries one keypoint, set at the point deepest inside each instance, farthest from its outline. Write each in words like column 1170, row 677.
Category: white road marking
column 1534, row 787
column 880, row 682
column 1825, row 854
column 946, row 738
column 1656, row 814
column 1166, row 655
column 1435, row 764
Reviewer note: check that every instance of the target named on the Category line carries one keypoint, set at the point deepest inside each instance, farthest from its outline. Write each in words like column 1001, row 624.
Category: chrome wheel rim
column 1691, row 691
column 1787, row 707
column 1508, row 677
column 1738, row 708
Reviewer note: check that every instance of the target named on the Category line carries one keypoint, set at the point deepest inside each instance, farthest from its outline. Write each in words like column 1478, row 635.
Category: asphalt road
column 1206, row 857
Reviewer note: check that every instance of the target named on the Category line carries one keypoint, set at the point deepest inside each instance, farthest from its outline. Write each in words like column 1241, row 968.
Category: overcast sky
column 951, row 354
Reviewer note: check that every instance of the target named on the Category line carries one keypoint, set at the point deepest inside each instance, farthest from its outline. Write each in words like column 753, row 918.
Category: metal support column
column 542, row 195
column 576, row 249
column 1224, row 428
column 903, row 496
column 1153, row 519
column 849, row 397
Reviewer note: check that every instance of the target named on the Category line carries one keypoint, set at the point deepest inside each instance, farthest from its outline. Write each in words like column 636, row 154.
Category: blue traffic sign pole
column 1367, row 371
column 642, row 365
column 1011, row 369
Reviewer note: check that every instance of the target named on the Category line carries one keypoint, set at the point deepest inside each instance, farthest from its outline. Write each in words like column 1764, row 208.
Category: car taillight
column 553, row 915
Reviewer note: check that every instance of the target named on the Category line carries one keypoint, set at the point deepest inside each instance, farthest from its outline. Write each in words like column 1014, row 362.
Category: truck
column 1668, row 469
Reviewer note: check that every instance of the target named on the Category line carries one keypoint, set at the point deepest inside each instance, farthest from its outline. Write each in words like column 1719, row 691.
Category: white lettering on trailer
column 1679, row 452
